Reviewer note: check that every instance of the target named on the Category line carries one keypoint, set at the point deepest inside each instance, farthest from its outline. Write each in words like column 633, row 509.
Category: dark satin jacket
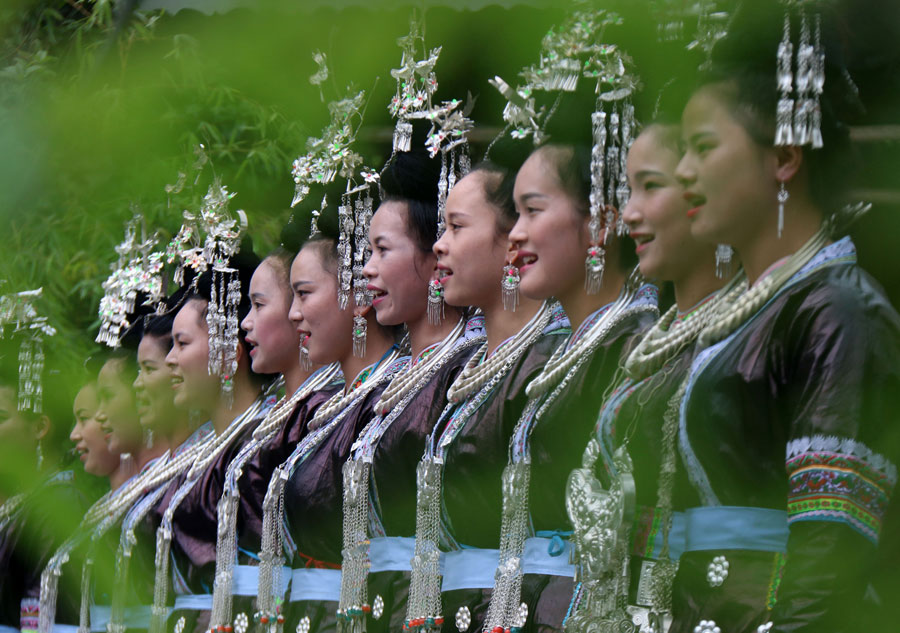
column 400, row 449
column 43, row 522
column 313, row 496
column 796, row 411
column 560, row 435
column 254, row 483
column 475, row 460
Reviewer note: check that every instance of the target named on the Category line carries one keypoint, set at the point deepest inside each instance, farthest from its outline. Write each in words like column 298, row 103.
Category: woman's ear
column 42, row 428
column 789, row 160
column 362, row 311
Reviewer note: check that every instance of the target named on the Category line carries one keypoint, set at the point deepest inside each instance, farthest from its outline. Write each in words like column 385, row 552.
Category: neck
column 697, row 284
column 376, row 347
column 500, row 324
column 245, row 393
column 294, row 379
column 144, row 455
column 579, row 305
column 123, row 473
column 801, row 221
column 423, row 334
column 180, row 432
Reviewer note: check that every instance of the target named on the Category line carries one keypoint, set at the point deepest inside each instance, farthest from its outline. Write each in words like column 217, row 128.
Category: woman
column 118, row 411
column 274, row 349
column 471, row 437
column 309, row 482
column 779, row 426
column 631, row 414
column 187, row 514
column 38, row 491
column 552, row 233
column 134, row 564
column 402, row 233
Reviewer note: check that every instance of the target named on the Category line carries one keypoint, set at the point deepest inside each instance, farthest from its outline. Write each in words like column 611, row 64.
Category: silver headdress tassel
column 355, row 215
column 801, row 80
column 416, row 83
column 18, row 317
column 447, row 135
column 208, row 241
column 613, row 131
column 137, row 270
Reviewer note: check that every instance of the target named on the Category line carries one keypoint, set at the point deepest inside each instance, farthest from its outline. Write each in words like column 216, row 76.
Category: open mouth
column 641, row 240
column 376, row 294
column 177, row 381
column 443, row 273
column 523, row 260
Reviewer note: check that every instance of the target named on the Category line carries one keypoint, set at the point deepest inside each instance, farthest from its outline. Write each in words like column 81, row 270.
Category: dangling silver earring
column 510, row 288
column 783, row 196
column 724, row 253
column 435, row 302
column 305, row 362
column 359, row 335
column 148, row 438
column 39, row 455
column 593, row 268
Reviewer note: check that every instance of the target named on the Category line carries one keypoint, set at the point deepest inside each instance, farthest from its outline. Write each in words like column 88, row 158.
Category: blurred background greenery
column 103, row 101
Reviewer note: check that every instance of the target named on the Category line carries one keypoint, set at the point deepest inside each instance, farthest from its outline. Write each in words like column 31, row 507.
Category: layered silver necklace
column 272, row 556
column 567, row 361
column 353, row 603
column 179, row 462
column 468, row 392
column 210, row 451
column 226, row 544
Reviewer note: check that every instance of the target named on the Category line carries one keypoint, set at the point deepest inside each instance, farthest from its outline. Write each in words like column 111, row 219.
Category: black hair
column 244, row 262
column 281, row 259
column 159, row 327
column 412, row 179
column 498, row 182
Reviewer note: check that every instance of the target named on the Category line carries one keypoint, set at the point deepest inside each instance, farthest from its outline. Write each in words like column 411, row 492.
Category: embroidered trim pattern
column 838, row 479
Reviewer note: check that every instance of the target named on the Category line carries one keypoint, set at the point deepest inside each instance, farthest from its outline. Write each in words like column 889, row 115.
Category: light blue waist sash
column 735, row 527
column 135, row 617
column 474, row 568
column 10, row 629
column 316, row 584
column 391, row 553
column 194, row 602
column 246, row 580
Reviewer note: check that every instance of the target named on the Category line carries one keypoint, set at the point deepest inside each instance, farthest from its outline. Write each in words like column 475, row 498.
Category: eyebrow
column 296, row 285
column 699, row 135
column 644, row 173
column 257, row 295
column 525, row 197
column 379, row 239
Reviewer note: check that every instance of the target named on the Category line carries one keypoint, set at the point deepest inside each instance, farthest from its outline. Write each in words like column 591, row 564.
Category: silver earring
column 39, row 454
column 359, row 335
column 435, row 302
column 305, row 362
column 148, row 438
column 724, row 253
column 783, row 196
column 593, row 268
column 510, row 288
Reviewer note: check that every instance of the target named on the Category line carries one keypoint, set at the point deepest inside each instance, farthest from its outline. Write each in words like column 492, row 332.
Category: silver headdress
column 449, row 126
column 18, row 316
column 416, row 83
column 801, row 80
column 137, row 270
column 207, row 242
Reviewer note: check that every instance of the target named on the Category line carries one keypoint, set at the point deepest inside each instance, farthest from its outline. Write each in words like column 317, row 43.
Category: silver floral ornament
column 378, row 607
column 463, row 618
column 179, row 625
column 717, row 571
column 764, row 628
column 241, row 622
column 707, row 626
column 303, row 625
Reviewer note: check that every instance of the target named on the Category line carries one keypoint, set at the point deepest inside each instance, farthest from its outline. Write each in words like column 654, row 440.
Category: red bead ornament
column 264, row 619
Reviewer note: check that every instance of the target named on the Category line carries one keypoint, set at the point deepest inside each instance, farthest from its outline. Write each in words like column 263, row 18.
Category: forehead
column 188, row 318
column 650, row 152
column 308, row 265
column 467, row 196
column 389, row 219
column 538, row 174
column 706, row 107
column 86, row 398
column 265, row 278
column 111, row 371
column 150, row 348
